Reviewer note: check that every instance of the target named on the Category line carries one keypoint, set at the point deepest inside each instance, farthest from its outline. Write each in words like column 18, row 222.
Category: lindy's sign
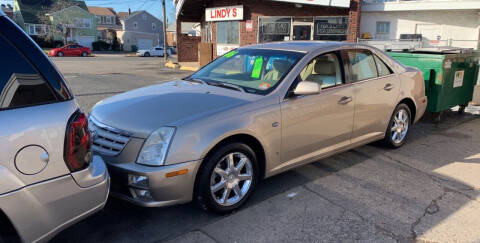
column 224, row 13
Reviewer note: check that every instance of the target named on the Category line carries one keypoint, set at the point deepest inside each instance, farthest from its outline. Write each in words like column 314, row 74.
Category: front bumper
column 162, row 190
column 40, row 211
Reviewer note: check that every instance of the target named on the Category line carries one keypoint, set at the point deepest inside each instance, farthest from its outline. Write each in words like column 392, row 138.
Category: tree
column 62, row 23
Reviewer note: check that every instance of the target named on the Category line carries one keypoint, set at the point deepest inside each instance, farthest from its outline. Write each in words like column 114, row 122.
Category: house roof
column 101, row 11
column 31, row 8
column 122, row 15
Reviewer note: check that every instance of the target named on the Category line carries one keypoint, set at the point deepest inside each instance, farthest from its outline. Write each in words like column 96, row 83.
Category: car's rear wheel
column 146, row 54
column 399, row 126
column 60, row 54
column 227, row 178
column 84, row 54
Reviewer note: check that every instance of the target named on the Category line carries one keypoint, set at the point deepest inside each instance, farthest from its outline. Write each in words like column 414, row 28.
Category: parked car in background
column 49, row 178
column 253, row 113
column 70, row 50
column 154, row 52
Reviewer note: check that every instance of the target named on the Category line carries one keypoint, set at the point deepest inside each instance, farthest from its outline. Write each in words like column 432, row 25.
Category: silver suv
column 48, row 176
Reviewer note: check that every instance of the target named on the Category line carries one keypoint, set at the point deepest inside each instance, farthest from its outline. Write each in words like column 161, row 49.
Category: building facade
column 435, row 23
column 107, row 23
column 230, row 24
column 42, row 19
column 140, row 30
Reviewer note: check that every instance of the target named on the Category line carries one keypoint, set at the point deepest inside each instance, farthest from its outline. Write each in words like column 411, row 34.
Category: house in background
column 107, row 23
column 435, row 23
column 140, row 29
column 81, row 25
column 8, row 10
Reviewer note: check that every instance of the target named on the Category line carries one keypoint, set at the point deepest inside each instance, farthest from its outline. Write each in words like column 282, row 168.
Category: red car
column 70, row 50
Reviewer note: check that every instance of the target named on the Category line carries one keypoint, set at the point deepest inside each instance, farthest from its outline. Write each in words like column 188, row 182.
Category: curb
column 170, row 64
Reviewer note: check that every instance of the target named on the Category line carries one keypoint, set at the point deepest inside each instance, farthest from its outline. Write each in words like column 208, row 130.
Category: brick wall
column 354, row 21
column 187, row 46
column 253, row 9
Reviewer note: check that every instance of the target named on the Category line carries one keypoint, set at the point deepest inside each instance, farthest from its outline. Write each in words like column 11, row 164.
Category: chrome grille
column 107, row 140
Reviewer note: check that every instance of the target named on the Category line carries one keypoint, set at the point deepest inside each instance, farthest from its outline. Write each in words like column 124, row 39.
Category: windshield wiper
column 196, row 80
column 227, row 85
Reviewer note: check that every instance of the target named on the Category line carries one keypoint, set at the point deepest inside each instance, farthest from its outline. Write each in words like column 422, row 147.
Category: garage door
column 145, row 44
column 85, row 40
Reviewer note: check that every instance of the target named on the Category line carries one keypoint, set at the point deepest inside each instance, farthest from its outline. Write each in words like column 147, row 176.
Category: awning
column 330, row 3
column 196, row 7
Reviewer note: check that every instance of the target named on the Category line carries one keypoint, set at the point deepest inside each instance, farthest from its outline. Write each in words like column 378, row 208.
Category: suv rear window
column 20, row 83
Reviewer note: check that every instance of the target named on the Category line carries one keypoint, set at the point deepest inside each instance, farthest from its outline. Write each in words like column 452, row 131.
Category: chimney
column 129, row 11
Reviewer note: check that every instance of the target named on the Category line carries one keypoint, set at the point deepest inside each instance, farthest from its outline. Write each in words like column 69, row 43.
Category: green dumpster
column 449, row 78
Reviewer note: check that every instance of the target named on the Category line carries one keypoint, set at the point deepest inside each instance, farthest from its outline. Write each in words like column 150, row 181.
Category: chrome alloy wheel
column 400, row 125
column 231, row 179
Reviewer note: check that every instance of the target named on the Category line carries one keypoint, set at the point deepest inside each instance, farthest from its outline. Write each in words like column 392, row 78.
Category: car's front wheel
column 84, row 54
column 227, row 178
column 60, row 54
column 146, row 54
column 399, row 126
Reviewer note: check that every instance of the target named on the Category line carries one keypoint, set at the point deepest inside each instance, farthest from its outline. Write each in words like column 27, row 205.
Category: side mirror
column 307, row 88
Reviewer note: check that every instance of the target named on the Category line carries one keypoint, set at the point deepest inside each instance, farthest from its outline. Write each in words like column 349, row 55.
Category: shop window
column 274, row 29
column 331, row 28
column 228, row 32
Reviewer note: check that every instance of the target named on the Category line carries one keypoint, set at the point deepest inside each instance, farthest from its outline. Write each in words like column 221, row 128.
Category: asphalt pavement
column 428, row 190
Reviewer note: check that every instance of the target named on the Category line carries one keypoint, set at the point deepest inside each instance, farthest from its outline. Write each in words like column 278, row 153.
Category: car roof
column 298, row 46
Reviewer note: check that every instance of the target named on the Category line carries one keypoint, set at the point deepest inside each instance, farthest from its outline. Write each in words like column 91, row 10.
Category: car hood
column 144, row 110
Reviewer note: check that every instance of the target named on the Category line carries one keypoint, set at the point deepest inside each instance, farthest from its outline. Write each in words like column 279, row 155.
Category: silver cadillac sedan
column 253, row 113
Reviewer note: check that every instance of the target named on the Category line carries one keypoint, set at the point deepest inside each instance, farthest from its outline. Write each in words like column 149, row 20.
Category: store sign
column 332, row 3
column 224, row 13
column 330, row 29
column 223, row 48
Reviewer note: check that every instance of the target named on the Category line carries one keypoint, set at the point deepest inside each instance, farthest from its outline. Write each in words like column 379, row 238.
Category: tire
column 60, row 54
column 147, row 54
column 396, row 138
column 84, row 54
column 236, row 185
column 461, row 109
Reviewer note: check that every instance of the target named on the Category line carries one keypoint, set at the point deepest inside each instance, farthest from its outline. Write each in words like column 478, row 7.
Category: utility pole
column 165, row 52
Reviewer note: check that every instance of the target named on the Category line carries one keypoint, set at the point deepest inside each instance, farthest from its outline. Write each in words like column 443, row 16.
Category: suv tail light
column 78, row 152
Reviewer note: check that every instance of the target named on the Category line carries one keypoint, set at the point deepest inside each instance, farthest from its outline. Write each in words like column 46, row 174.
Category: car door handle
column 345, row 100
column 388, row 87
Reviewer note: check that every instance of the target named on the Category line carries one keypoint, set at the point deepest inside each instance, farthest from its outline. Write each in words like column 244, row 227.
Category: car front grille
column 107, row 140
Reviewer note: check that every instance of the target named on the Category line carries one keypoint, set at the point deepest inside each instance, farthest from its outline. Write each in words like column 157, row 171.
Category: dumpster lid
column 444, row 50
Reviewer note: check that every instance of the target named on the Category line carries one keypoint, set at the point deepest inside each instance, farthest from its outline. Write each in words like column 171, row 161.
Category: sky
column 154, row 7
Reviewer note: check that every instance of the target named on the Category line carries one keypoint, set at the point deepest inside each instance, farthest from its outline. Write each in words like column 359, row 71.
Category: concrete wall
column 454, row 24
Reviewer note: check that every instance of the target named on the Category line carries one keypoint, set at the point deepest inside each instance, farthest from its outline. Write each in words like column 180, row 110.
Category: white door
column 85, row 40
column 144, row 44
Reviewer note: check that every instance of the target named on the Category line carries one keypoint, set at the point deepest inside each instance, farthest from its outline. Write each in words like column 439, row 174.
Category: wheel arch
column 7, row 229
column 249, row 140
column 411, row 105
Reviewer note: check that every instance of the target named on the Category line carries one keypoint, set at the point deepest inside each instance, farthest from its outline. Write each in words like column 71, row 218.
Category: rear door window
column 20, row 83
column 362, row 65
column 383, row 69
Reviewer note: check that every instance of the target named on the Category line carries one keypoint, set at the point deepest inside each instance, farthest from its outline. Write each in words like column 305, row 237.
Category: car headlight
column 154, row 150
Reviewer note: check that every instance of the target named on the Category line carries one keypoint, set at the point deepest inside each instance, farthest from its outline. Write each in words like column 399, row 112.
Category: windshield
column 253, row 70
